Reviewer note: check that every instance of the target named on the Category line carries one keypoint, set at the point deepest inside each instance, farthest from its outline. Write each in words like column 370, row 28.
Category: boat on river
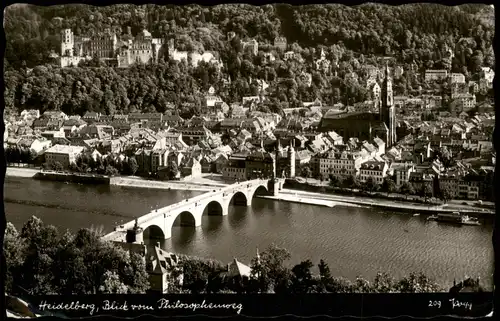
column 454, row 218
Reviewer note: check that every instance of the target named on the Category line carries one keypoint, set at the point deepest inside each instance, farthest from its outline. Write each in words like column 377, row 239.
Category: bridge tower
column 274, row 186
column 134, row 235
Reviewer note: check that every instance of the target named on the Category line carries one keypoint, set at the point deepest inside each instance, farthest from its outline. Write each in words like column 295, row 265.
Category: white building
column 402, row 172
column 435, row 74
column 344, row 163
column 457, row 78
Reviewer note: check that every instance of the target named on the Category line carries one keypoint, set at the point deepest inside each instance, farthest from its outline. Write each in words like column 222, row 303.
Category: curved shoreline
column 308, row 197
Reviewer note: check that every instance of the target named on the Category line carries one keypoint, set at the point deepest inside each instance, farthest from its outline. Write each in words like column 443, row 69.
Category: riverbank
column 386, row 204
column 307, row 200
column 138, row 182
column 208, row 182
column 21, row 172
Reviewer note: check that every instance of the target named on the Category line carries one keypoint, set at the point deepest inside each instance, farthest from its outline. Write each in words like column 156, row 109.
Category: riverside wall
column 72, row 178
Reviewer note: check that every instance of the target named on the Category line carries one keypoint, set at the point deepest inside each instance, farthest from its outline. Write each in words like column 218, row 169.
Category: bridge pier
column 197, row 219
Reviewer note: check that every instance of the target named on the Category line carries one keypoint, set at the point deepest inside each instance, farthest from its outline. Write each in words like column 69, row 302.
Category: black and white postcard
column 249, row 160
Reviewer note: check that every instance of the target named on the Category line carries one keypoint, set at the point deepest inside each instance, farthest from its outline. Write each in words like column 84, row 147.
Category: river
column 353, row 241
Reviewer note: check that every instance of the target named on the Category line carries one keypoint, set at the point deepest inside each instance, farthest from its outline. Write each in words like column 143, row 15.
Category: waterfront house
column 375, row 169
column 420, row 179
column 35, row 143
column 220, row 163
column 402, row 172
column 64, row 154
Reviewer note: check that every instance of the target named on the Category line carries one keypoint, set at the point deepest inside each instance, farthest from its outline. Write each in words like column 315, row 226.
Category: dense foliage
column 43, row 260
column 416, row 35
column 270, row 274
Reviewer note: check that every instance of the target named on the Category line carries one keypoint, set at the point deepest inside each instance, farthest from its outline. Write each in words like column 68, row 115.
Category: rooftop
column 65, row 149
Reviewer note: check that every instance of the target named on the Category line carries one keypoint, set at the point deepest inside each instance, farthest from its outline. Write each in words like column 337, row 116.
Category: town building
column 75, row 49
column 462, row 103
column 63, row 154
column 192, row 168
column 143, row 49
column 487, row 74
column 375, row 169
column 163, row 268
column 457, row 78
column 30, row 114
column 435, row 74
column 280, row 43
column 235, row 168
column 260, row 164
column 322, row 64
column 402, row 172
column 252, row 46
column 345, row 163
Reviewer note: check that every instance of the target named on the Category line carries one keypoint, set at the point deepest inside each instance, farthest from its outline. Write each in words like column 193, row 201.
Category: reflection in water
column 182, row 236
column 238, row 216
column 354, row 241
column 212, row 224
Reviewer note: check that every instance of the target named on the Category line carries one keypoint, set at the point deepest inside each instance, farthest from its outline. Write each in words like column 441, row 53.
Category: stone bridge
column 158, row 223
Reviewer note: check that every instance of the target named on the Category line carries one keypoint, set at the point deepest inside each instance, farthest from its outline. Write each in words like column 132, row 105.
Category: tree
column 302, row 278
column 371, row 185
column 306, row 172
column 63, row 263
column 383, row 283
column 172, row 170
column 269, row 269
column 426, row 191
column 14, row 255
column 111, row 171
column 326, row 279
column 446, row 194
column 57, row 166
column 417, row 283
column 388, row 185
column 112, row 284
column 352, row 182
column 334, row 181
column 407, row 189
column 132, row 166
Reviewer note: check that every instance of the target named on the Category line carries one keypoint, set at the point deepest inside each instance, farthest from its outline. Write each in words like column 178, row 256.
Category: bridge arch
column 154, row 232
column 258, row 190
column 185, row 218
column 213, row 208
column 239, row 198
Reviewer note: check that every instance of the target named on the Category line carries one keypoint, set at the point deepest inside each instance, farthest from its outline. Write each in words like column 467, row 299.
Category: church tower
column 387, row 108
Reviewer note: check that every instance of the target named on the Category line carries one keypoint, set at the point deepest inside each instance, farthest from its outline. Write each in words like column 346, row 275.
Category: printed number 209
column 435, row 304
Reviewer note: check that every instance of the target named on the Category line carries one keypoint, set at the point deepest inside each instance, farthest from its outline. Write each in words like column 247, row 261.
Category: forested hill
column 411, row 31
column 417, row 36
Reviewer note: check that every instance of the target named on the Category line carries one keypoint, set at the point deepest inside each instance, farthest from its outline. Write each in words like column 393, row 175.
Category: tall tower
column 291, row 160
column 387, row 109
column 67, row 43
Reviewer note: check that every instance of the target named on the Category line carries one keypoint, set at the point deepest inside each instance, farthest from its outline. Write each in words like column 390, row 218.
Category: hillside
column 416, row 36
